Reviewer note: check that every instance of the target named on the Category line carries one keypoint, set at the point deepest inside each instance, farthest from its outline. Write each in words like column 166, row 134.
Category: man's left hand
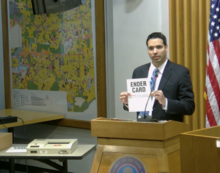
column 158, row 95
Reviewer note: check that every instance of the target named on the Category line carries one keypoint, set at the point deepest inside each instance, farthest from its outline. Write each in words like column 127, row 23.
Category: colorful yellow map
column 56, row 52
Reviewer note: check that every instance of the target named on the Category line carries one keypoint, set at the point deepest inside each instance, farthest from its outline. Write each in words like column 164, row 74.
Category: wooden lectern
column 153, row 145
column 200, row 151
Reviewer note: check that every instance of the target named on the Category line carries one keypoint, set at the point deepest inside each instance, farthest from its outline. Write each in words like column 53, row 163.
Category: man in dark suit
column 173, row 95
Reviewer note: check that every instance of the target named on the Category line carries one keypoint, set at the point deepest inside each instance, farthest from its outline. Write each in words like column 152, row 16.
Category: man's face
column 157, row 51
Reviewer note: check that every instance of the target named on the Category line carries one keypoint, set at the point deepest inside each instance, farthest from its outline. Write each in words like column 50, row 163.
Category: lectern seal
column 128, row 164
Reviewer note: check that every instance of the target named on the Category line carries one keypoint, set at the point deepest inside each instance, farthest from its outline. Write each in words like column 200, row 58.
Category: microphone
column 148, row 101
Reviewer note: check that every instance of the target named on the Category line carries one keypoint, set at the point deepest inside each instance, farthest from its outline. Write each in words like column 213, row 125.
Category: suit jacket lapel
column 166, row 75
column 144, row 72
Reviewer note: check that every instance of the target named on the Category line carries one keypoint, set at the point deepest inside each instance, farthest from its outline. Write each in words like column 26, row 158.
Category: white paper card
column 218, row 143
column 140, row 93
column 20, row 149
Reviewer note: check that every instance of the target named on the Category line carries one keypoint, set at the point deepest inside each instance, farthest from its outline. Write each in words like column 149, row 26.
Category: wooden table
column 29, row 117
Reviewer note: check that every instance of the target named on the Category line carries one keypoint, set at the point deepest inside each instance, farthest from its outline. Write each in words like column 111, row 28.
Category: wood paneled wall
column 188, row 39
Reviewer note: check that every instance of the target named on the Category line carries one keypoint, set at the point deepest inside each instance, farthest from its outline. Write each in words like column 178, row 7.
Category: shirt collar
column 161, row 68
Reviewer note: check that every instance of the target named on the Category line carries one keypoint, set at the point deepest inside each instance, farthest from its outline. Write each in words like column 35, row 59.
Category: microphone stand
column 155, row 120
column 146, row 106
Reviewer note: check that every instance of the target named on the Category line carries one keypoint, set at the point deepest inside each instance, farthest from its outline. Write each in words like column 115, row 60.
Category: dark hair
column 157, row 35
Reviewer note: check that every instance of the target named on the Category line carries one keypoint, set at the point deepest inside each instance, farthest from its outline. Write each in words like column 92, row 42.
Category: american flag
column 213, row 67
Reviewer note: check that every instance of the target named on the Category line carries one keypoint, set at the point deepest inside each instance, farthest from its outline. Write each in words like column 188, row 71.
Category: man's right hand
column 124, row 97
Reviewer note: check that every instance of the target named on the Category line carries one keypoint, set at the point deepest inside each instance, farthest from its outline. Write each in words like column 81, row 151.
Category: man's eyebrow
column 156, row 45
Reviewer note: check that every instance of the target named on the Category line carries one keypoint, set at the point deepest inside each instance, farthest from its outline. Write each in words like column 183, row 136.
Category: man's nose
column 155, row 50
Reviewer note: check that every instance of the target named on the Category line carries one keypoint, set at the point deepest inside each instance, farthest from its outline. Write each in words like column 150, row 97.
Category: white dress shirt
column 160, row 73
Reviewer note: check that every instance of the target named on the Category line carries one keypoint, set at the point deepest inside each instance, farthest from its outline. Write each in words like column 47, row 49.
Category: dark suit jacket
column 177, row 88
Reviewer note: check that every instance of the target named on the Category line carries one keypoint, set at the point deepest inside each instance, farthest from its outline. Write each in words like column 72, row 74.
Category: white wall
column 165, row 20
column 133, row 21
column 109, row 50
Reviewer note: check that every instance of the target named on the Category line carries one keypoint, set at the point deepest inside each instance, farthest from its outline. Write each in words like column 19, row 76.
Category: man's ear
column 167, row 48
